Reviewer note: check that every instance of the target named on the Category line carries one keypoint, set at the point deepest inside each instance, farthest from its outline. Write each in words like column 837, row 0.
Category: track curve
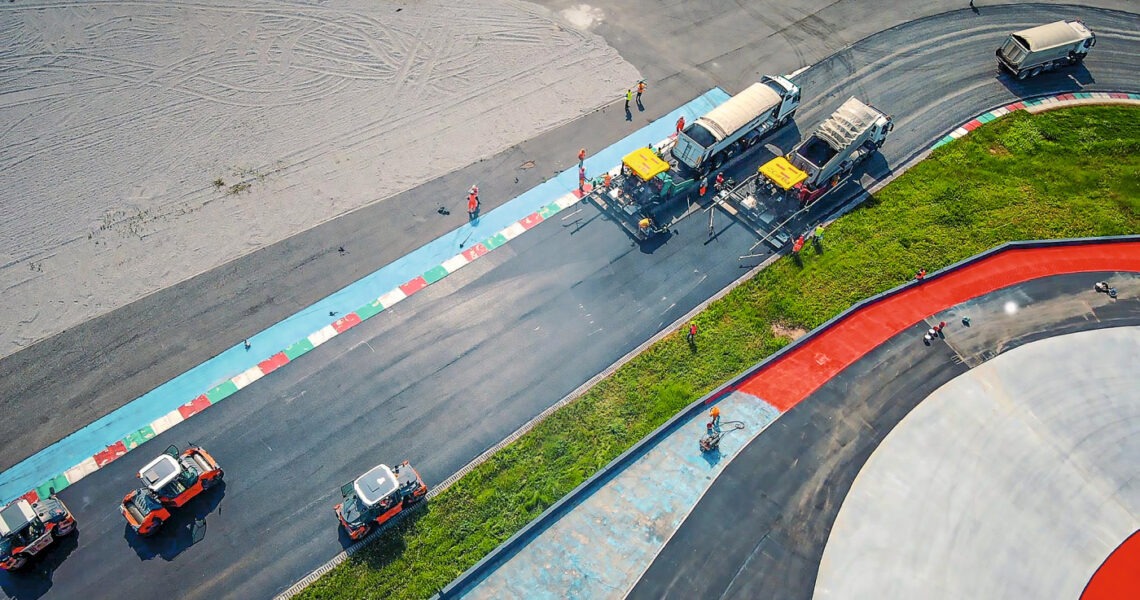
column 795, row 477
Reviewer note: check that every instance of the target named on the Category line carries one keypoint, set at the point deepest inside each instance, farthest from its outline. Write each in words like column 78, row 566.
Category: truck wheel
column 1021, row 75
column 1035, row 72
column 19, row 561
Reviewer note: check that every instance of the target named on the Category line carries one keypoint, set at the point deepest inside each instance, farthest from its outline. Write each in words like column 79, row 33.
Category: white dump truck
column 825, row 160
column 658, row 186
column 1029, row 52
column 737, row 124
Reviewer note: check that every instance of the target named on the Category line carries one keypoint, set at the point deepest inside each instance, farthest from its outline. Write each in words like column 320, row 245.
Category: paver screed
column 600, row 548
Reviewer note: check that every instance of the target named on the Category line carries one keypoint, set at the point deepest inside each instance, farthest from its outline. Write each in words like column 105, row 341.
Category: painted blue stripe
column 603, row 543
column 91, row 439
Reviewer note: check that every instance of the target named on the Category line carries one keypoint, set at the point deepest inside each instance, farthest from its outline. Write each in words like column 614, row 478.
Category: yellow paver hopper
column 645, row 164
column 783, row 173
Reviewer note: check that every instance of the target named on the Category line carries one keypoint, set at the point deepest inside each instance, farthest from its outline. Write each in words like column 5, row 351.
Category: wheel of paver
column 19, row 561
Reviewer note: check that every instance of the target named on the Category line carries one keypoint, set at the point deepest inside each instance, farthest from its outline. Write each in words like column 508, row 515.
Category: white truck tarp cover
column 844, row 125
column 1052, row 35
column 725, row 119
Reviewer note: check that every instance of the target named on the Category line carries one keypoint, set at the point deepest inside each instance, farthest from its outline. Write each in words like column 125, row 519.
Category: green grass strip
column 1066, row 173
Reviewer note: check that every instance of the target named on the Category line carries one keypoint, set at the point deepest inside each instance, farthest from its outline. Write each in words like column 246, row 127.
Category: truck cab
column 377, row 496
column 27, row 529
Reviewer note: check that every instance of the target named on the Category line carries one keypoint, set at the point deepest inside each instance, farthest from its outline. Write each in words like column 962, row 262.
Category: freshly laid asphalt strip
column 444, row 375
column 760, row 530
column 436, row 380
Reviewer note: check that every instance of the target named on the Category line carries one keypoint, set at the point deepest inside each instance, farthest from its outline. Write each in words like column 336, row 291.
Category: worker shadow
column 628, row 114
column 640, row 106
column 36, row 579
column 186, row 527
column 654, row 242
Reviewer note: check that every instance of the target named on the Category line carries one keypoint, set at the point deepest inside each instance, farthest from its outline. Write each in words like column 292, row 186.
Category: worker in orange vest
column 799, row 245
column 606, row 180
column 581, row 156
column 719, row 180
column 472, row 205
column 704, row 185
column 640, row 90
column 680, row 123
column 715, row 414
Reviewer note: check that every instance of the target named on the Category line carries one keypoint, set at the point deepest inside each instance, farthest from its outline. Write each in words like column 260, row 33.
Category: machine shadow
column 36, row 579
column 186, row 527
column 1065, row 80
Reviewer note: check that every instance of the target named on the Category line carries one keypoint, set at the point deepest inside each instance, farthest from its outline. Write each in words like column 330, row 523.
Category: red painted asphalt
column 787, row 381
column 1119, row 576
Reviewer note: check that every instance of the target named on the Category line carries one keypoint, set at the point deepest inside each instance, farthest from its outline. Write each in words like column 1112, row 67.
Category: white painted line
column 247, row 377
column 513, row 231
column 799, row 71
column 81, row 470
column 166, row 421
column 566, row 201
column 322, row 335
column 392, row 298
column 454, row 263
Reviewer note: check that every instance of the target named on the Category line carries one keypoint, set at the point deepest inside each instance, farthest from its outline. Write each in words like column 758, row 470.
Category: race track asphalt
column 760, row 530
column 456, row 368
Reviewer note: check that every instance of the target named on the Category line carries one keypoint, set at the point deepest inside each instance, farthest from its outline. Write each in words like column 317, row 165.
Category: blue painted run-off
column 93, row 438
column 602, row 545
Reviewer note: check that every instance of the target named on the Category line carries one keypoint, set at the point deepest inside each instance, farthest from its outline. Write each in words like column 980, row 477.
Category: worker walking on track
column 640, row 91
column 581, row 157
column 628, row 97
column 680, row 123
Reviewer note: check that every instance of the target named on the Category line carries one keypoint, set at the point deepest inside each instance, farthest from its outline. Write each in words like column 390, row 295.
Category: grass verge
column 1067, row 173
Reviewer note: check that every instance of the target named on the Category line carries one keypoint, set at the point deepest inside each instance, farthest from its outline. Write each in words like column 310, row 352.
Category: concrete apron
column 601, row 547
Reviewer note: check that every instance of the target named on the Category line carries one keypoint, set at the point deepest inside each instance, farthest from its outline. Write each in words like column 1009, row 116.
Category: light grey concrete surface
column 1015, row 480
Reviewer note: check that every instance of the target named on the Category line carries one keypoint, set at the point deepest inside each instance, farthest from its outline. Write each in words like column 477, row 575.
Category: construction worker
column 715, row 414
column 720, row 180
column 920, row 275
column 680, row 123
column 704, row 185
column 640, row 90
column 692, row 332
column 644, row 224
column 606, row 180
column 628, row 97
column 474, row 191
column 472, row 205
column 581, row 156
column 799, row 245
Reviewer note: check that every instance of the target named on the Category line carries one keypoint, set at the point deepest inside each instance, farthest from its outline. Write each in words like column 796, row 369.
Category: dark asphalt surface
column 760, row 530
column 457, row 367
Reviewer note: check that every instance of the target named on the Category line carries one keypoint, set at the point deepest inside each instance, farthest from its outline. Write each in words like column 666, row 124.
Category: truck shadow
column 186, row 527
column 1064, row 80
column 36, row 580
